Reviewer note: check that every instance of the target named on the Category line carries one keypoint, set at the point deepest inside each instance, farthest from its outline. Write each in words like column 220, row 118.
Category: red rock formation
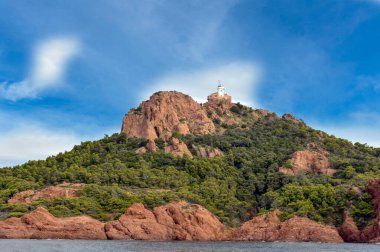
column 174, row 221
column 64, row 190
column 151, row 146
column 40, row 224
column 372, row 233
column 308, row 161
column 220, row 104
column 165, row 113
column 268, row 227
column 207, row 151
column 290, row 118
column 177, row 148
column 349, row 230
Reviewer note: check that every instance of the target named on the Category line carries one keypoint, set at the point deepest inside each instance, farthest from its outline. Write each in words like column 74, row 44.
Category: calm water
column 128, row 246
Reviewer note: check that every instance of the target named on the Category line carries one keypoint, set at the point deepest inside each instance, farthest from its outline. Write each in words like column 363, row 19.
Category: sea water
column 180, row 246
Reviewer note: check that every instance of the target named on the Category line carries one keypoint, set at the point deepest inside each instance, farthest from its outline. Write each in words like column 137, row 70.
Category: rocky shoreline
column 174, row 221
column 185, row 221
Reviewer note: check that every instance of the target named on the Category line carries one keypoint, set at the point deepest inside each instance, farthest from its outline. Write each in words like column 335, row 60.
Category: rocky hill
column 188, row 171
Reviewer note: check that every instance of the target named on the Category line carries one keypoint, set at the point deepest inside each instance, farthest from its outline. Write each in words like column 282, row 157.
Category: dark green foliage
column 234, row 187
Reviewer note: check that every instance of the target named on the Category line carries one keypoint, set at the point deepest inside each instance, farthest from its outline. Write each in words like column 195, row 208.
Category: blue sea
column 180, row 246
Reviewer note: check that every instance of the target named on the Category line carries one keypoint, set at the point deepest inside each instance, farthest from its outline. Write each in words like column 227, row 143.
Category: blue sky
column 70, row 70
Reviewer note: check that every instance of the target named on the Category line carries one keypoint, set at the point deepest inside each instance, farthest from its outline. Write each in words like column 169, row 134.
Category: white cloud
column 240, row 79
column 27, row 142
column 50, row 60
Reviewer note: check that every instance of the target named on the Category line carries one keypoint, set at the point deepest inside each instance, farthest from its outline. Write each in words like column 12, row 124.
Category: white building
column 221, row 90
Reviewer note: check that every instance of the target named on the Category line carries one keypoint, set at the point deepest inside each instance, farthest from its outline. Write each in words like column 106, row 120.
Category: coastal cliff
column 254, row 176
column 174, row 221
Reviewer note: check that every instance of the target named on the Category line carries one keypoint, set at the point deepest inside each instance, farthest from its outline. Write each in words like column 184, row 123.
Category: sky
column 70, row 70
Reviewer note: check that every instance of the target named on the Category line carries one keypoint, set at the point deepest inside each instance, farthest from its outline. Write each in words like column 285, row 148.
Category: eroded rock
column 40, row 224
column 308, row 161
column 177, row 148
column 174, row 221
column 165, row 113
column 269, row 228
column 290, row 118
column 207, row 151
column 349, row 230
column 64, row 190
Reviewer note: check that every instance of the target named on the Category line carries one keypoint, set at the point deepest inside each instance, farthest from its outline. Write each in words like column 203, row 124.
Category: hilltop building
column 220, row 100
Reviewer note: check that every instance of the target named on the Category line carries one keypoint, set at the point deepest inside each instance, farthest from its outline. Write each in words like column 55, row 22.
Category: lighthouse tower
column 219, row 102
column 221, row 90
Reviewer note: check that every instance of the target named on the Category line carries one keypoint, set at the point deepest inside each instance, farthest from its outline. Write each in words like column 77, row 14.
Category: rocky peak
column 221, row 104
column 165, row 113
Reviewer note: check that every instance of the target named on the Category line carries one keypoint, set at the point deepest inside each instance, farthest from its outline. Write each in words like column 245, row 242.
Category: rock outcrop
column 269, row 228
column 65, row 190
column 308, row 161
column 177, row 148
column 150, row 147
column 175, row 221
column 40, row 224
column 207, row 151
column 290, row 118
column 349, row 230
column 219, row 104
column 165, row 113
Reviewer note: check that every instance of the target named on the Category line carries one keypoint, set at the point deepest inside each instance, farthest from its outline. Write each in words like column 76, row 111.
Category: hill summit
column 249, row 172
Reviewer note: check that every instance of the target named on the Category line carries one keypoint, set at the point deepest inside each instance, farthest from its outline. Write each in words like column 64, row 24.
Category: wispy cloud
column 33, row 142
column 240, row 79
column 44, row 133
column 50, row 60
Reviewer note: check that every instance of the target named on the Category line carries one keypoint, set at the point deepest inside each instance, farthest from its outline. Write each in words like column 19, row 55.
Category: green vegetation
column 242, row 183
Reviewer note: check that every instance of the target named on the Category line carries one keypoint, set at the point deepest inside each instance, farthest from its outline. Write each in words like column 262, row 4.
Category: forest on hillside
column 243, row 183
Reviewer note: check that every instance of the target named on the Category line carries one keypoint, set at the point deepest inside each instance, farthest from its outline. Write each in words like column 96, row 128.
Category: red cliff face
column 40, row 224
column 165, row 113
column 308, row 161
column 174, row 221
column 269, row 228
